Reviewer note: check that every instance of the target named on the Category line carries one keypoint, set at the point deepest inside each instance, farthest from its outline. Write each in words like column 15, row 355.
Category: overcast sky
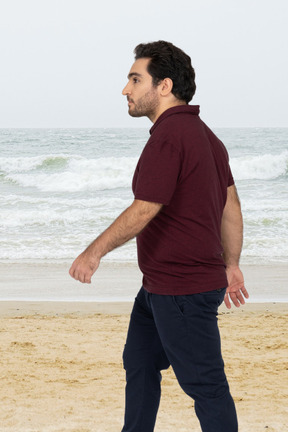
column 63, row 63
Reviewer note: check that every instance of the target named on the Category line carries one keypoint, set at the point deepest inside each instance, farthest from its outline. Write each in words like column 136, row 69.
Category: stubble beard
column 146, row 106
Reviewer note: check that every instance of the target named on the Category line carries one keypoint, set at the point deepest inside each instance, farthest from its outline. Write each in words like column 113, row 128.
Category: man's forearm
column 232, row 228
column 128, row 225
column 232, row 239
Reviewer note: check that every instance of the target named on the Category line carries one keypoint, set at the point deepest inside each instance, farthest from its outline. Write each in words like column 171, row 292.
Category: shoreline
column 118, row 282
column 13, row 309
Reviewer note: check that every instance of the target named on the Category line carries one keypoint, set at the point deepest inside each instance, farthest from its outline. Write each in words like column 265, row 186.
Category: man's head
column 161, row 77
column 168, row 61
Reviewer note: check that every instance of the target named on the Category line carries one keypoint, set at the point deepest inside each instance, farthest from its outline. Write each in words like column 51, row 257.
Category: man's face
column 142, row 96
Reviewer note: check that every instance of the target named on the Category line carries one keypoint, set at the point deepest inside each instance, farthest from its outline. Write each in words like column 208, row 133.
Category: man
column 187, row 218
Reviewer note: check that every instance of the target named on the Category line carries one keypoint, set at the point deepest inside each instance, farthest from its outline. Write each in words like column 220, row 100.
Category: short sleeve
column 157, row 172
column 230, row 178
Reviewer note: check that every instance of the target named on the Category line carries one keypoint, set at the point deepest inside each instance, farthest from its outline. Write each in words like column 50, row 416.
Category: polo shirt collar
column 179, row 109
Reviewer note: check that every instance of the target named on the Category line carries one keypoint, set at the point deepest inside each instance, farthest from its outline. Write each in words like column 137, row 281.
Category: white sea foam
column 60, row 173
column 76, row 174
column 263, row 167
column 53, row 213
column 50, row 201
column 24, row 164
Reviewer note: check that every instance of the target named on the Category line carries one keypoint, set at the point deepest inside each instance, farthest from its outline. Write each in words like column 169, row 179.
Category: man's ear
column 166, row 86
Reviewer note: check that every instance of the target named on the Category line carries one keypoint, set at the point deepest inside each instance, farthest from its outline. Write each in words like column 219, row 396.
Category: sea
column 60, row 188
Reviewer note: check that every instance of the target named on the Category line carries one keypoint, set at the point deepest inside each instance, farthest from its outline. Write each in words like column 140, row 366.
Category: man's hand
column 236, row 290
column 84, row 266
column 128, row 225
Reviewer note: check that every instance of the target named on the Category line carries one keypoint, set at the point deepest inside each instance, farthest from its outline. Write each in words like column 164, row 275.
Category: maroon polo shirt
column 185, row 167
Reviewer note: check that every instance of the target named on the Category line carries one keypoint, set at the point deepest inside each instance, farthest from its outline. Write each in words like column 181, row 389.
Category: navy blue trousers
column 180, row 331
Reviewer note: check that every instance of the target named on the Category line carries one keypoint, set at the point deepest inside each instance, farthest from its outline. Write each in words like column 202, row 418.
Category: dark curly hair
column 168, row 61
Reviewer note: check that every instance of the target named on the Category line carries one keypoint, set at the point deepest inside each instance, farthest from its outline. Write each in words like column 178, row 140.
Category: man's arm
column 130, row 223
column 232, row 239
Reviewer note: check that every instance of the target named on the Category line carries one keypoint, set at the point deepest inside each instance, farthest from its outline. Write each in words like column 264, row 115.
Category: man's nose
column 126, row 90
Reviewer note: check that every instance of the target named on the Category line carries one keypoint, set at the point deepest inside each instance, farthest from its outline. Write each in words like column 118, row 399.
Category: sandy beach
column 61, row 368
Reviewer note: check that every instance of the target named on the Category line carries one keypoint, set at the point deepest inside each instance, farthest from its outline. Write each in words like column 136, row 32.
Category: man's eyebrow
column 134, row 74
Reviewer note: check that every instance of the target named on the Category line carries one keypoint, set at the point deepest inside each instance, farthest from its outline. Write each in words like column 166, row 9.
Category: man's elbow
column 147, row 210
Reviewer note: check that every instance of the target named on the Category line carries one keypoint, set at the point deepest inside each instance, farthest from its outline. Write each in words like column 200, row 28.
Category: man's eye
column 135, row 80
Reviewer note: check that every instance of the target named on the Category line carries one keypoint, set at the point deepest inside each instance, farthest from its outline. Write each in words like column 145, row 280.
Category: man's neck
column 165, row 107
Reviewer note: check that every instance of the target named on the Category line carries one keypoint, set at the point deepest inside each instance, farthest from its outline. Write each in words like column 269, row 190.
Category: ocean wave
column 43, row 251
column 60, row 202
column 262, row 167
column 53, row 218
column 62, row 172
column 25, row 164
column 68, row 173
column 265, row 250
